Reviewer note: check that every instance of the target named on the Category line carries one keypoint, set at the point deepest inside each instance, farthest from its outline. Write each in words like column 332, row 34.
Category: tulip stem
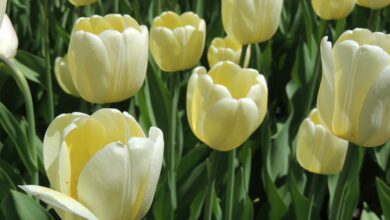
column 230, row 185
column 23, row 86
column 316, row 193
column 175, row 89
column 46, row 45
column 242, row 56
column 345, row 182
column 211, row 185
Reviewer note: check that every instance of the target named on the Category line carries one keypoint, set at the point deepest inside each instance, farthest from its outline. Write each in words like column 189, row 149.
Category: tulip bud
column 108, row 57
column 78, row 3
column 225, row 106
column 333, row 9
column 8, row 39
column 177, row 42
column 3, row 6
column 373, row 4
column 318, row 150
column 63, row 76
column 226, row 49
column 354, row 94
column 100, row 166
column 250, row 22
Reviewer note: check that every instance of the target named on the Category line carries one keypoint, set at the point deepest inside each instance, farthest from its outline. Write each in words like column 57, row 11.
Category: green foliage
column 268, row 182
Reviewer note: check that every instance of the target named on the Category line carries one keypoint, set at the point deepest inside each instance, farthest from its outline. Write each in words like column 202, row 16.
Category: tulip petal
column 121, row 194
column 162, row 40
column 59, row 201
column 52, row 143
column 8, row 38
column 356, row 69
column 326, row 93
column 374, row 130
column 3, row 6
column 64, row 77
column 230, row 122
column 88, row 59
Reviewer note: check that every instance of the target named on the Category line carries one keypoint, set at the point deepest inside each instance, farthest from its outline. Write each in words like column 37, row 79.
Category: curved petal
column 326, row 93
column 59, row 201
column 89, row 66
column 64, row 77
column 356, row 69
column 121, row 194
column 52, row 143
column 8, row 38
column 3, row 6
column 374, row 126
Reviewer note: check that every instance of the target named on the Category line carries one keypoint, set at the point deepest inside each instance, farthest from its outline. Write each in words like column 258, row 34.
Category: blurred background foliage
column 269, row 184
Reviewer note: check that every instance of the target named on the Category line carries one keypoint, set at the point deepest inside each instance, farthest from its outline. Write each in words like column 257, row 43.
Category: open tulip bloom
column 107, row 57
column 354, row 94
column 226, row 49
column 333, row 9
column 100, row 166
column 226, row 105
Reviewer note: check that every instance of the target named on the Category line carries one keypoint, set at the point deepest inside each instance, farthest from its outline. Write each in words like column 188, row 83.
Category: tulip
column 251, row 21
column 177, row 42
column 63, row 76
column 333, row 9
column 354, row 94
column 78, row 3
column 100, row 166
column 8, row 38
column 318, row 150
column 107, row 57
column 226, row 49
column 373, row 4
column 225, row 106
column 3, row 6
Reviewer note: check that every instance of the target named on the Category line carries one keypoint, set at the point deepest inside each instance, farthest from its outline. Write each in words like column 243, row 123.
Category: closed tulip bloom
column 3, row 6
column 226, row 105
column 100, row 166
column 318, row 150
column 333, row 9
column 8, row 39
column 373, row 4
column 63, row 76
column 78, row 3
column 251, row 21
column 226, row 49
column 354, row 94
column 108, row 57
column 177, row 41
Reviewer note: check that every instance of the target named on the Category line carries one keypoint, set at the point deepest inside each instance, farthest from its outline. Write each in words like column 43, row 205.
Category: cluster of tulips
column 107, row 62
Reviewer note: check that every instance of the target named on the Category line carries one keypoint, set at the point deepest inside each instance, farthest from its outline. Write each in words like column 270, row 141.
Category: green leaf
column 196, row 205
column 384, row 197
column 23, row 207
column 14, row 130
column 28, row 73
column 382, row 155
column 367, row 214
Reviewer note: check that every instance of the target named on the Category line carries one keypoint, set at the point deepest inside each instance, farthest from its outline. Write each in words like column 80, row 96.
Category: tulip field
column 194, row 109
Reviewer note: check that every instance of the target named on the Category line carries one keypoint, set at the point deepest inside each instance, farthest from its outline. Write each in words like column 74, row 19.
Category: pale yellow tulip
column 318, row 150
column 226, row 49
column 108, row 57
column 226, row 105
column 78, row 3
column 354, row 94
column 251, row 21
column 333, row 9
column 8, row 38
column 63, row 76
column 373, row 4
column 177, row 41
column 100, row 166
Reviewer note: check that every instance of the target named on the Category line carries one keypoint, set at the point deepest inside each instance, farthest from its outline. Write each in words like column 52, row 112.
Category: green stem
column 374, row 20
column 315, row 80
column 317, row 188
column 46, row 45
column 175, row 89
column 23, row 86
column 116, row 6
column 346, row 178
column 230, row 185
column 242, row 56
column 211, row 185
